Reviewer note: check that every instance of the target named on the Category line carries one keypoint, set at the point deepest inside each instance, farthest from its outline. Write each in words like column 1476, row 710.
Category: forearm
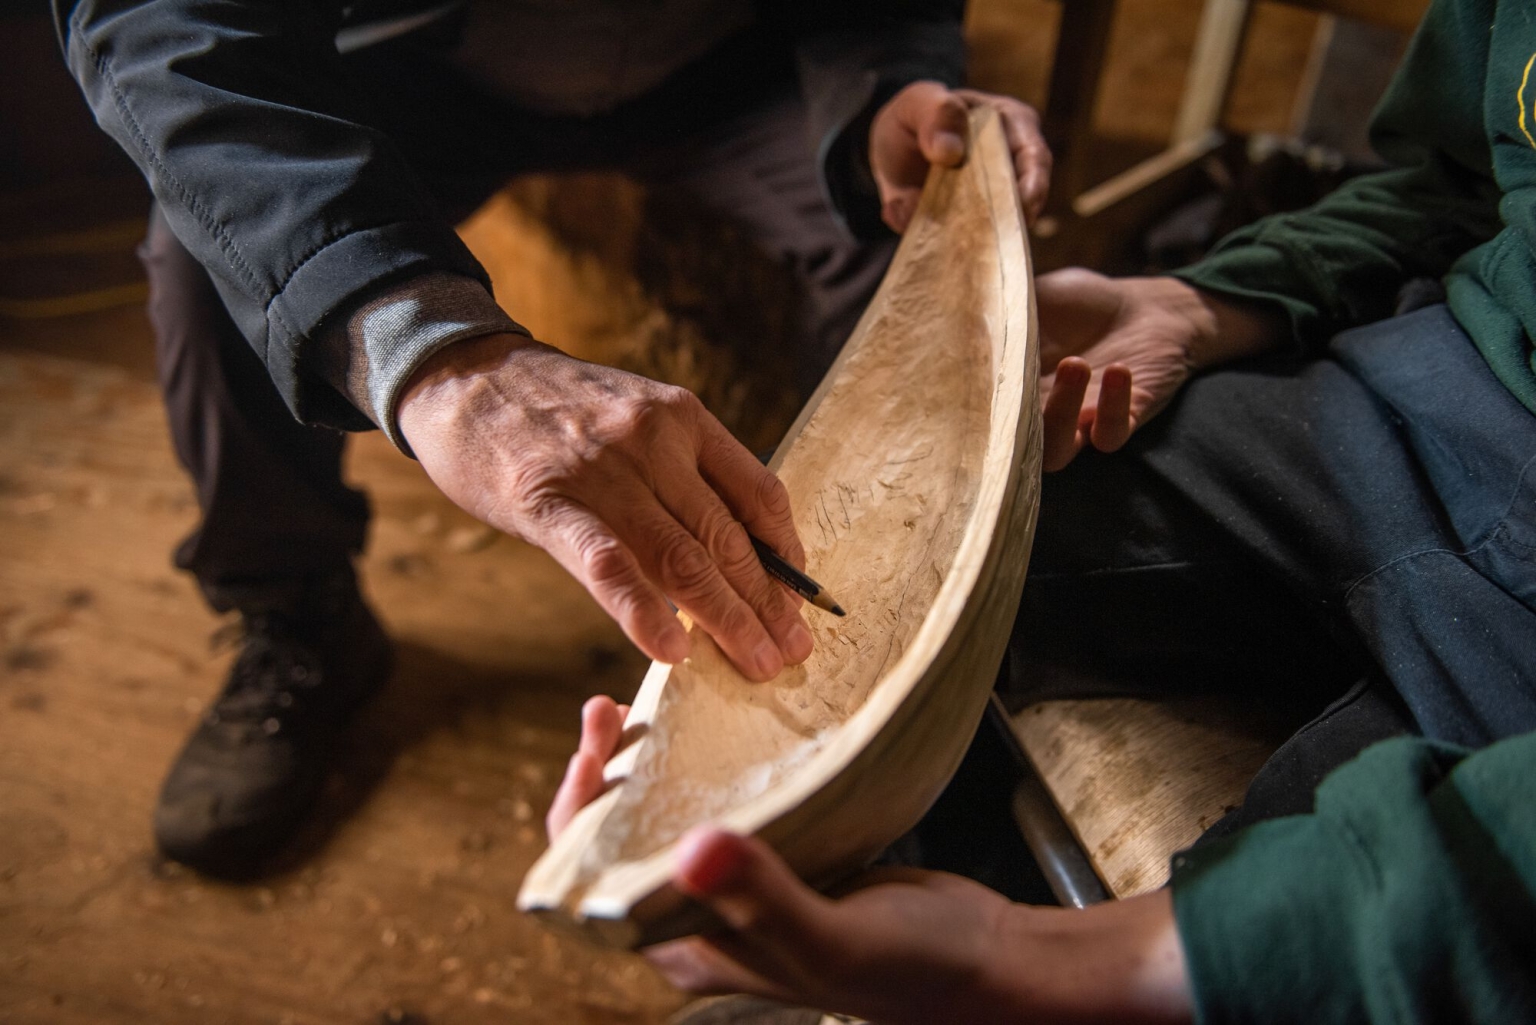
column 1116, row 962
column 1225, row 329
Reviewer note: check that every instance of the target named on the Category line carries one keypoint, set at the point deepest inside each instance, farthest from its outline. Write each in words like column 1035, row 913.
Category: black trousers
column 274, row 509
column 1356, row 531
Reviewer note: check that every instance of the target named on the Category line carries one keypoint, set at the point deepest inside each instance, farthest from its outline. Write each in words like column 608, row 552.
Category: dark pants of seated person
column 275, row 512
column 1358, row 529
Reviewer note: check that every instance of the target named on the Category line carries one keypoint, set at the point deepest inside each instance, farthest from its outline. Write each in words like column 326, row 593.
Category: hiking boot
column 254, row 766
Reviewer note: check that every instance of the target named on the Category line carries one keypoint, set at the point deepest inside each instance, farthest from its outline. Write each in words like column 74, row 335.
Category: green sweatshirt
column 1458, row 126
column 1407, row 895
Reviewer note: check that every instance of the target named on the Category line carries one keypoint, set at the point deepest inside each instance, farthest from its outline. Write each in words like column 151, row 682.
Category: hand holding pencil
column 796, row 581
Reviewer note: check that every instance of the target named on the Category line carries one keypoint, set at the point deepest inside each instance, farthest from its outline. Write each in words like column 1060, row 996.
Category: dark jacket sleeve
column 1408, row 895
column 855, row 56
column 260, row 154
column 1340, row 263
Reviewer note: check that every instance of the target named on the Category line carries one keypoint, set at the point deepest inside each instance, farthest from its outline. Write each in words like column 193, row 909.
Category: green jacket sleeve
column 1341, row 262
column 1406, row 896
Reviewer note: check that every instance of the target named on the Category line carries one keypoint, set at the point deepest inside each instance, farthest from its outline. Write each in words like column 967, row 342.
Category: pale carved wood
column 914, row 472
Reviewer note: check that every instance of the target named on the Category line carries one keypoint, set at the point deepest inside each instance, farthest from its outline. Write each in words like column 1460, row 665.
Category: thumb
column 941, row 130
column 923, row 125
column 750, row 888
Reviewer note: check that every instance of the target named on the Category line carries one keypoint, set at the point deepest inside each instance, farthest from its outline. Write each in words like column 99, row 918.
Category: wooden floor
column 401, row 903
column 398, row 904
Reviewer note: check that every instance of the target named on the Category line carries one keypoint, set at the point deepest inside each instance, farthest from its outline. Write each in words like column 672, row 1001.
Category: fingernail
column 767, row 659
column 675, row 646
column 798, row 643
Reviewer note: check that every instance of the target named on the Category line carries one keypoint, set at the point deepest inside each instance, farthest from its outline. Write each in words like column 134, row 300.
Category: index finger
column 591, row 552
column 754, row 494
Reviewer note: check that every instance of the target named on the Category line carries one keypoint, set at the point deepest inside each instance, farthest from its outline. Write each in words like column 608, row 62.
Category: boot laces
column 272, row 675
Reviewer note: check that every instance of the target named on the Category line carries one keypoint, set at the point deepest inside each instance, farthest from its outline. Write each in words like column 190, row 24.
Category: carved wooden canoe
column 914, row 472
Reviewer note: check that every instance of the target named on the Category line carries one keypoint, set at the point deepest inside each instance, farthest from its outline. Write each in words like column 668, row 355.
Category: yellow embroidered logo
column 1520, row 99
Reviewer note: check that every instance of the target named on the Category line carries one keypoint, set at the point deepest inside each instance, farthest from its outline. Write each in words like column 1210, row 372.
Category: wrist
column 1120, row 961
column 1221, row 329
column 453, row 380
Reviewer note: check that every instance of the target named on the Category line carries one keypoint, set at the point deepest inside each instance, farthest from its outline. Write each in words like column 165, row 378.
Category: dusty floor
column 397, row 907
column 401, row 902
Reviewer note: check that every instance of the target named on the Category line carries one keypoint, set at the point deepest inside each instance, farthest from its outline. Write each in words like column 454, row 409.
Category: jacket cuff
column 1262, row 918
column 1246, row 265
column 391, row 334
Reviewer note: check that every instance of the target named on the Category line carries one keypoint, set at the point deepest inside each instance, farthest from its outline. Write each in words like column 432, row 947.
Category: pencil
column 793, row 579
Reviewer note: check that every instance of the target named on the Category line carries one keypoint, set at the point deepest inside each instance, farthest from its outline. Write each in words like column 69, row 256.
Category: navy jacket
column 242, row 117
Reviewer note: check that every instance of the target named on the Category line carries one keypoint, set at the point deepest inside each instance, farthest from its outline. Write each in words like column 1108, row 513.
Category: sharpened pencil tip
column 824, row 601
column 794, row 579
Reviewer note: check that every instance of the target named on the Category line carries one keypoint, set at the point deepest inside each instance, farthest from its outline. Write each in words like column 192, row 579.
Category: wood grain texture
column 914, row 472
column 1139, row 779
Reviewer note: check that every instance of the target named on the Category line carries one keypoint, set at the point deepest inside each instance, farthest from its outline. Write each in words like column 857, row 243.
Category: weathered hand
column 925, row 124
column 907, row 946
column 1113, row 352
column 631, row 485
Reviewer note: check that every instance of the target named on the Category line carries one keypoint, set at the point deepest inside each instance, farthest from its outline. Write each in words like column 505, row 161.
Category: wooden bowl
column 914, row 471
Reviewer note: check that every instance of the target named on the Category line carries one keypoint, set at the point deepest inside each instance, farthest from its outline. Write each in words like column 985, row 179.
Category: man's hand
column 631, row 485
column 925, row 124
column 1113, row 352
column 907, row 946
